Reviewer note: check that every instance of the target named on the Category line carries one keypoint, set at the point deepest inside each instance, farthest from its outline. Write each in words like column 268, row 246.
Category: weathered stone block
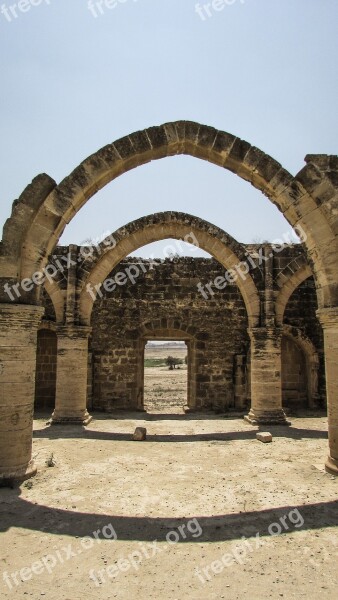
column 264, row 436
column 140, row 434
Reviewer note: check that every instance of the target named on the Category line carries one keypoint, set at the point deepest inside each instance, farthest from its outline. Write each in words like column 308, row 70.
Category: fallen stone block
column 140, row 434
column 264, row 436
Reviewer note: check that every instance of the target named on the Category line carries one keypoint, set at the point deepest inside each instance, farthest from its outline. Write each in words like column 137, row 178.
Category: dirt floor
column 201, row 510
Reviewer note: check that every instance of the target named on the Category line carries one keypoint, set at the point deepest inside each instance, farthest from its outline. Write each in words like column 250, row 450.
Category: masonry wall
column 300, row 312
column 294, row 374
column 45, row 370
column 167, row 297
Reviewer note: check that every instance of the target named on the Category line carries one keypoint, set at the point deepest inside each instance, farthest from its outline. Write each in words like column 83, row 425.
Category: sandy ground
column 193, row 509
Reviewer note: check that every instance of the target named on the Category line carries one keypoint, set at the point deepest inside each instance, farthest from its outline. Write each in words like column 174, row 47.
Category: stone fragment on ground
column 140, row 434
column 264, row 436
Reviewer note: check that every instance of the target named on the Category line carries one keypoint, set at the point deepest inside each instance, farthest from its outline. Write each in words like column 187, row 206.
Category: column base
column 264, row 417
column 71, row 419
column 18, row 475
column 190, row 409
column 331, row 466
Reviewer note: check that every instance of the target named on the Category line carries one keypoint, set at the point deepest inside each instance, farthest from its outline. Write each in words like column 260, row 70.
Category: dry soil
column 193, row 509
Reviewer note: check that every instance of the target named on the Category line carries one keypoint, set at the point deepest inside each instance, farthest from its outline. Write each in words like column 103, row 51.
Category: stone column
column 266, row 381
column 328, row 318
column 71, row 376
column 18, row 340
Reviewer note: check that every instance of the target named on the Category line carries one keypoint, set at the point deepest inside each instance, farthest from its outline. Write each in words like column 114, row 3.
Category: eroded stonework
column 169, row 300
column 308, row 200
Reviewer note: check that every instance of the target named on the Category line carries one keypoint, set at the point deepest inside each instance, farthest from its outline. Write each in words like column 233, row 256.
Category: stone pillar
column 266, row 381
column 71, row 376
column 328, row 318
column 18, row 341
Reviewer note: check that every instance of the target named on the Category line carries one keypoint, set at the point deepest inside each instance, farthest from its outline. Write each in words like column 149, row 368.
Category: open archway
column 46, row 208
column 308, row 360
column 169, row 292
column 160, row 226
column 308, row 200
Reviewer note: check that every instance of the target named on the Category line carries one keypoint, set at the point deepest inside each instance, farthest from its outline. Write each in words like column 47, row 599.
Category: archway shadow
column 23, row 514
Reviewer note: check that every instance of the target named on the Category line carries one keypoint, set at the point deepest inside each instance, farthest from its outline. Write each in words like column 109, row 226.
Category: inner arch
column 159, row 226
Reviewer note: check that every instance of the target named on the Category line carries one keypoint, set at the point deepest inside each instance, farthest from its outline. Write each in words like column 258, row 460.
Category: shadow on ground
column 181, row 416
column 69, row 432
column 20, row 513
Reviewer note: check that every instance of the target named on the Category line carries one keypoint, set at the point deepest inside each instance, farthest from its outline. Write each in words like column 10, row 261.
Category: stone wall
column 169, row 293
column 45, row 370
column 301, row 313
column 294, row 374
column 165, row 303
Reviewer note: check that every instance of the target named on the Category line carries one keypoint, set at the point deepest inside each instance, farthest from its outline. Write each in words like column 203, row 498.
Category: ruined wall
column 45, row 370
column 167, row 297
column 294, row 374
column 300, row 312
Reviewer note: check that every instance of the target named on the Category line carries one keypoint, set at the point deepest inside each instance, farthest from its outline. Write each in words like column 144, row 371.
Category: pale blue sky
column 264, row 70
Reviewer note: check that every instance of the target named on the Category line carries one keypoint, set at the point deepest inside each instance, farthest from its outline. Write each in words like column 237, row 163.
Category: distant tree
column 170, row 361
column 173, row 362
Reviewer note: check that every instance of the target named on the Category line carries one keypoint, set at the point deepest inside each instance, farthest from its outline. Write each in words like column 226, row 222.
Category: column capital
column 268, row 332
column 73, row 331
column 328, row 317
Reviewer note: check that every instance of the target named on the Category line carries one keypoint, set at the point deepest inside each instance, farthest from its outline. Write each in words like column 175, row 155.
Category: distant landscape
column 164, row 390
column 165, row 344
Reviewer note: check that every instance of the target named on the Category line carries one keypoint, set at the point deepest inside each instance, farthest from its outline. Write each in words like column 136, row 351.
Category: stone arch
column 309, row 200
column 311, row 358
column 288, row 280
column 57, row 297
column 295, row 265
column 48, row 326
column 167, row 329
column 45, row 208
column 161, row 226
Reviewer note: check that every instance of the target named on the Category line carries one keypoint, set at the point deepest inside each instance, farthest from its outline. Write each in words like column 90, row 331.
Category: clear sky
column 264, row 70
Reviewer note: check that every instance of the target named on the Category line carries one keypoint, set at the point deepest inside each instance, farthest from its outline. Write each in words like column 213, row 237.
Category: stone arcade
column 161, row 300
column 272, row 341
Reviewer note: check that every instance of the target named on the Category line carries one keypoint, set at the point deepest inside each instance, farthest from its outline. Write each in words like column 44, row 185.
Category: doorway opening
column 166, row 366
